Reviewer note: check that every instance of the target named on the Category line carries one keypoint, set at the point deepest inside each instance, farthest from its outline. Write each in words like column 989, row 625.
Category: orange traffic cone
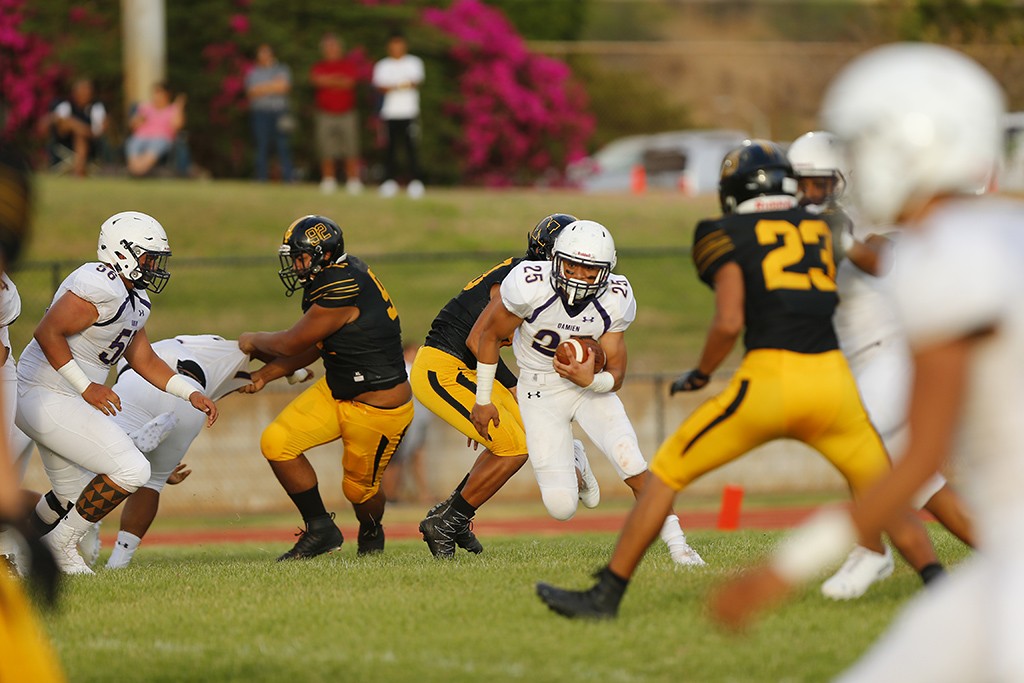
column 729, row 515
column 638, row 179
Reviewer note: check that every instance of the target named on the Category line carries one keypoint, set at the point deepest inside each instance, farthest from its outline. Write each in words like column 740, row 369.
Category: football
column 580, row 348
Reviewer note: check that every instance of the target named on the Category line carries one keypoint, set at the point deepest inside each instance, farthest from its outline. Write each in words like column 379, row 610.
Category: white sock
column 672, row 534
column 124, row 548
column 77, row 522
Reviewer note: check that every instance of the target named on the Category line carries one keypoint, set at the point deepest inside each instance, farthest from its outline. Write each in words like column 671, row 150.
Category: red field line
column 773, row 518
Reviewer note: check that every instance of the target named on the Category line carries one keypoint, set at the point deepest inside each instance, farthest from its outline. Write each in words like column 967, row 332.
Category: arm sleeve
column 712, row 248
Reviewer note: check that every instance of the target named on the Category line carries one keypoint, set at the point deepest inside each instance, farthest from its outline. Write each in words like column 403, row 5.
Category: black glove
column 42, row 573
column 691, row 381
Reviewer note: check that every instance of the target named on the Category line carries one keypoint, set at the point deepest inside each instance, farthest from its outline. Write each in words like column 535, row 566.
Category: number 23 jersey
column 122, row 313
column 788, row 275
column 527, row 292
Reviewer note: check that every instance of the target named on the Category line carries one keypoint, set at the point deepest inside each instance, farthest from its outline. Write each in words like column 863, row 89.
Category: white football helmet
column 819, row 154
column 917, row 121
column 135, row 245
column 586, row 243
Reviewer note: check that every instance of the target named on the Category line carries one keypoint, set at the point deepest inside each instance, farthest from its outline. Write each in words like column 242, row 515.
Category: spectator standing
column 78, row 123
column 337, row 122
column 154, row 125
column 398, row 76
column 267, row 85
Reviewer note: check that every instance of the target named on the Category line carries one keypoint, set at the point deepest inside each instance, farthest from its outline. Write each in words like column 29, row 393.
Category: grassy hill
column 224, row 236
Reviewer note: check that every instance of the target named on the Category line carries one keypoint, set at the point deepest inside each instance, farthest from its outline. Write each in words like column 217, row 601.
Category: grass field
column 230, row 613
column 242, row 224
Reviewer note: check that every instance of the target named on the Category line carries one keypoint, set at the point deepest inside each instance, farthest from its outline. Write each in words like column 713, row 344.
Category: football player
column 364, row 398
column 923, row 128
column 875, row 349
column 771, row 267
column 28, row 656
column 164, row 428
column 444, row 379
column 543, row 303
column 98, row 315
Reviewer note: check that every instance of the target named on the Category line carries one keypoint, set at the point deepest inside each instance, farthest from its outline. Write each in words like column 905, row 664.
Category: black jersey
column 454, row 322
column 365, row 354
column 788, row 275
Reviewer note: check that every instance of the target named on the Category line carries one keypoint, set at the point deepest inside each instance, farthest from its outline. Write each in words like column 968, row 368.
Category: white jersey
column 223, row 367
column 865, row 314
column 527, row 292
column 960, row 276
column 122, row 313
column 10, row 309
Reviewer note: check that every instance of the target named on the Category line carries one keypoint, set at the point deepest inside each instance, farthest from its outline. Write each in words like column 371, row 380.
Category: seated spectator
column 78, row 123
column 154, row 126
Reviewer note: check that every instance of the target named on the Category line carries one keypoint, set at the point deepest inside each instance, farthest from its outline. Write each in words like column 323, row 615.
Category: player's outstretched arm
column 151, row 367
column 281, row 367
column 726, row 327
column 494, row 325
column 318, row 323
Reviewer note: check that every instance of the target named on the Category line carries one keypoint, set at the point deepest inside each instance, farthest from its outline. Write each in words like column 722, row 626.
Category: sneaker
column 89, row 545
column 328, row 185
column 600, row 602
column 388, row 189
column 147, row 437
column 370, row 540
column 62, row 542
column 415, row 190
column 686, row 556
column 590, row 492
column 862, row 568
column 320, row 536
column 444, row 531
column 354, row 186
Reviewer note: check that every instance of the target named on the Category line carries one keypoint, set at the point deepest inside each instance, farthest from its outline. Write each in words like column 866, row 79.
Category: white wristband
column 603, row 382
column 299, row 376
column 817, row 543
column 485, row 382
column 73, row 373
column 180, row 387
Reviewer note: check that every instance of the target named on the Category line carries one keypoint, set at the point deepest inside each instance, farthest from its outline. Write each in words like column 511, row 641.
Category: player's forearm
column 717, row 347
column 280, row 344
column 283, row 366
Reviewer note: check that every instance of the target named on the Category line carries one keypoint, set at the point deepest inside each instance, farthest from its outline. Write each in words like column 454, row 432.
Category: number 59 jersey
column 788, row 275
column 122, row 313
column 527, row 292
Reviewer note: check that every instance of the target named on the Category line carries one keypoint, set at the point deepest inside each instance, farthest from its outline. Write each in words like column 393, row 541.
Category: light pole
column 144, row 51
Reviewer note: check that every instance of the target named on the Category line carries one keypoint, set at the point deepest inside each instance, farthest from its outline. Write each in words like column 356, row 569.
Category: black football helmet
column 317, row 236
column 755, row 168
column 541, row 239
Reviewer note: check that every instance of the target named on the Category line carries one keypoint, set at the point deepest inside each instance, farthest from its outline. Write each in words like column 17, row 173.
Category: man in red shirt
column 337, row 123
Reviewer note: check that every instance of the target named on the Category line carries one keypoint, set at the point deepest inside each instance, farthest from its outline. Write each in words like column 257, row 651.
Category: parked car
column 685, row 160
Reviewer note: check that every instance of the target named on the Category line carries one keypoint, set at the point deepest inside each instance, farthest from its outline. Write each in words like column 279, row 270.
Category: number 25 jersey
column 547, row 322
column 788, row 275
column 122, row 313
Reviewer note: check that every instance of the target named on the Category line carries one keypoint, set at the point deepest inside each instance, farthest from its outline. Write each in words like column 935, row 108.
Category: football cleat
column 685, row 556
column 590, row 491
column 599, row 602
column 150, row 435
column 62, row 542
column 320, row 536
column 443, row 532
column 862, row 568
column 370, row 540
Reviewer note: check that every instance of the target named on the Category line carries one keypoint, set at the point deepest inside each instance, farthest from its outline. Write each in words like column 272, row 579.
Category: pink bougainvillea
column 27, row 82
column 522, row 114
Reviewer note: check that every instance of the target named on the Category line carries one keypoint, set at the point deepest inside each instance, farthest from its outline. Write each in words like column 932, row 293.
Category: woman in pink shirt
column 154, row 126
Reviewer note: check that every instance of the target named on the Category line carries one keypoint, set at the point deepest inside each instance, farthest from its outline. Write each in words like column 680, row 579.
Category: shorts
column 337, row 135
column 136, row 146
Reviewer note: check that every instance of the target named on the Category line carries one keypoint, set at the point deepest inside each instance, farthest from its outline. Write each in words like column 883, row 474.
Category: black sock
column 309, row 503
column 930, row 572
column 462, row 484
column 460, row 505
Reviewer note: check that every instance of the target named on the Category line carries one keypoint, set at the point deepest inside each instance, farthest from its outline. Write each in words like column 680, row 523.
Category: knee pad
column 356, row 493
column 132, row 477
column 560, row 503
column 273, row 443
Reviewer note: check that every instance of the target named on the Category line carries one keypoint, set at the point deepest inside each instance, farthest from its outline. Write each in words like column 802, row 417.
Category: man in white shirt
column 398, row 77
